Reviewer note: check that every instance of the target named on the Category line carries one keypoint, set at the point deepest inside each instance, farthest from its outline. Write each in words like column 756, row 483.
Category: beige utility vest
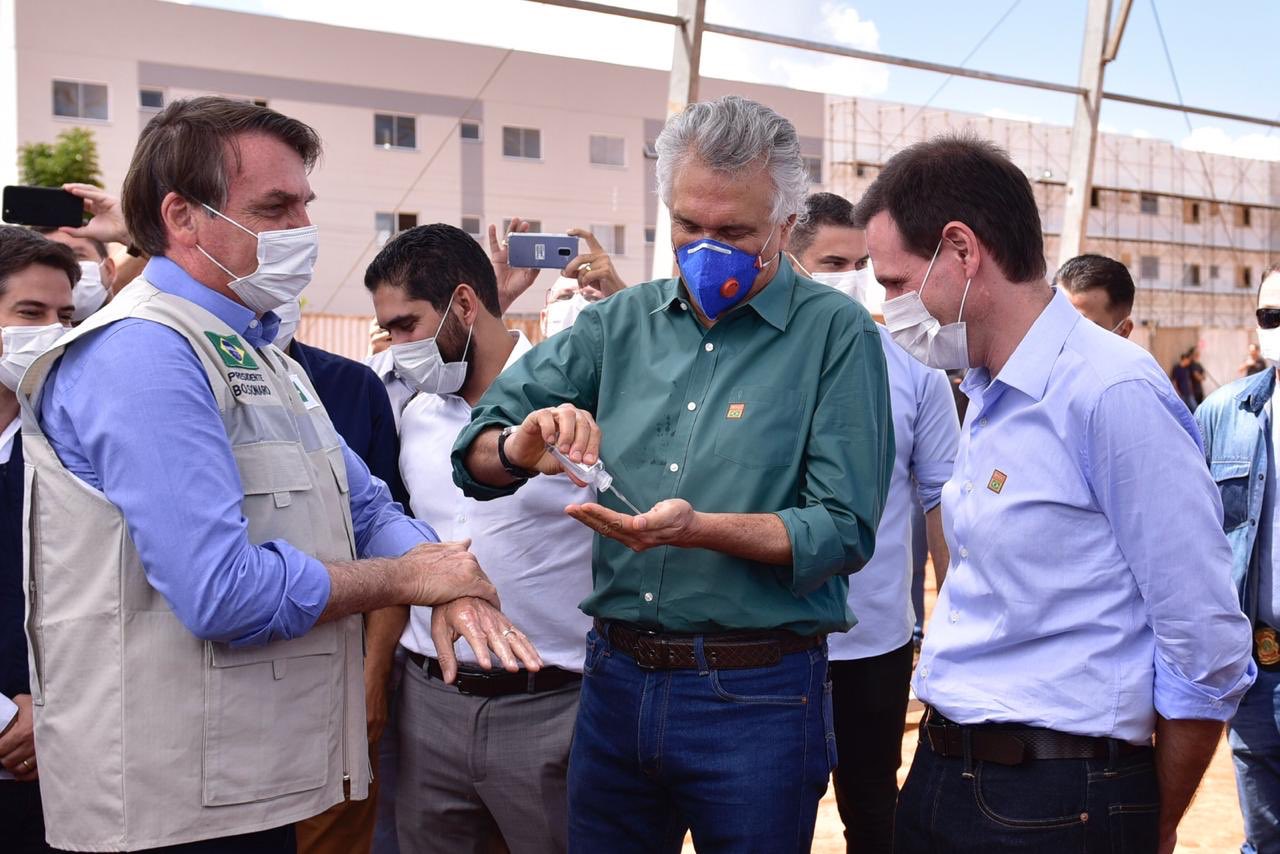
column 147, row 735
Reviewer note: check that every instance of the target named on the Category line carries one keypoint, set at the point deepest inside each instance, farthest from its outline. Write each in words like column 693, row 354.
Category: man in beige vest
column 201, row 542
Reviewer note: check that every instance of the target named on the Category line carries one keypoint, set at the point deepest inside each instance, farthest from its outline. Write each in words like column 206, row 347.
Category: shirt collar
column 167, row 276
column 1258, row 390
column 772, row 304
column 1029, row 367
column 522, row 346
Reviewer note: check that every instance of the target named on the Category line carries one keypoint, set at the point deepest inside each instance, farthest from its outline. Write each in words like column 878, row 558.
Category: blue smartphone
column 550, row 251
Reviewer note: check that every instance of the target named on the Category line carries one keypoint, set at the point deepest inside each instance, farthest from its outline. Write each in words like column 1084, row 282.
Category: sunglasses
column 1268, row 318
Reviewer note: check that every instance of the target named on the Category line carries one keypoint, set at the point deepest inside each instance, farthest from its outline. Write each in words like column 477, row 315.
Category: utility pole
column 1097, row 52
column 681, row 91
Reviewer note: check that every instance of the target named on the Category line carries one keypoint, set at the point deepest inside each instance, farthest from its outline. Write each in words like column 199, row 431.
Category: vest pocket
column 1232, row 477
column 268, row 717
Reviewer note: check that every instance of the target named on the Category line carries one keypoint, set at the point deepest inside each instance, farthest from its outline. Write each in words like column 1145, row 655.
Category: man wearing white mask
column 1071, row 628
column 1101, row 289
column 97, row 271
column 197, row 655
column 871, row 663
column 36, row 305
column 482, row 763
column 1240, row 437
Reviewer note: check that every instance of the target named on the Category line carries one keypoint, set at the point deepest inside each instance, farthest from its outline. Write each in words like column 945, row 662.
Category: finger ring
column 585, row 268
column 510, row 630
column 26, row 764
column 503, row 243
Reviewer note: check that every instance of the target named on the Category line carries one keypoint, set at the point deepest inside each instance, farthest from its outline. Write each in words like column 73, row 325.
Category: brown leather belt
column 498, row 682
column 1011, row 744
column 728, row 651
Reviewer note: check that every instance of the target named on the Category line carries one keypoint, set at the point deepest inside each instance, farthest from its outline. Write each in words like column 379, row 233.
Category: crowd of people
column 236, row 567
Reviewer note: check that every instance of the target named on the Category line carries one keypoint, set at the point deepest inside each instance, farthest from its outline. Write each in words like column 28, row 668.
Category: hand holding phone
column 534, row 249
column 44, row 206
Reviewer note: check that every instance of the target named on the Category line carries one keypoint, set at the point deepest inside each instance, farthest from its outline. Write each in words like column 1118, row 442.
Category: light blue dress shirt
column 1090, row 583
column 128, row 409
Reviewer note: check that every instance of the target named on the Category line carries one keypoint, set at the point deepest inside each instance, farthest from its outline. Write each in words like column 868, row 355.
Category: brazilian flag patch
column 233, row 353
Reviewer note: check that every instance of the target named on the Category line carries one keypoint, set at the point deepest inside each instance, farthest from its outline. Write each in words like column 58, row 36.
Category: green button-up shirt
column 781, row 407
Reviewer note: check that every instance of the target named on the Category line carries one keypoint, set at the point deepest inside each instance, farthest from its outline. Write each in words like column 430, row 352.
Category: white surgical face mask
column 289, row 313
column 286, row 259
column 19, row 347
column 919, row 332
column 89, row 293
column 420, row 364
column 561, row 314
column 851, row 282
column 1269, row 345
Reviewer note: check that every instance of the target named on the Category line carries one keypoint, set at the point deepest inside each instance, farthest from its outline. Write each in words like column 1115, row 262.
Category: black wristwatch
column 510, row 467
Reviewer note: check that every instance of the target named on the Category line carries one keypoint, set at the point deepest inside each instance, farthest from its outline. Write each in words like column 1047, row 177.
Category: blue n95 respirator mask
column 719, row 276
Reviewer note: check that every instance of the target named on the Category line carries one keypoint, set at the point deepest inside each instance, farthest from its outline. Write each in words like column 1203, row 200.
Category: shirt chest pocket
column 760, row 426
column 1232, row 477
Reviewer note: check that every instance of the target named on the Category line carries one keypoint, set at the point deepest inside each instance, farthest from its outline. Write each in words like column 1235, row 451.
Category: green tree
column 73, row 157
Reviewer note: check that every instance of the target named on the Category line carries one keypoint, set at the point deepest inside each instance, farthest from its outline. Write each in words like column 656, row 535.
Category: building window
column 650, row 235
column 1214, row 273
column 1095, row 198
column 388, row 224
column 1149, row 267
column 608, row 150
column 1244, row 216
column 469, row 130
column 1244, row 276
column 813, row 165
column 395, row 131
column 1190, row 212
column 79, row 100
column 1191, row 275
column 525, row 143
column 471, row 225
column 151, row 99
column 1149, row 203
column 650, row 149
column 535, row 226
column 613, row 238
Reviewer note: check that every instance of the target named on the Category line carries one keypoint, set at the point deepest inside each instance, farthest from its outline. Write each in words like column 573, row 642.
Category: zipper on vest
column 346, row 736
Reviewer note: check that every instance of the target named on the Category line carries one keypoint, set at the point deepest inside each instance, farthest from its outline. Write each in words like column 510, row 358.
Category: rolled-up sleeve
column 847, row 464
column 1144, row 458
column 936, row 437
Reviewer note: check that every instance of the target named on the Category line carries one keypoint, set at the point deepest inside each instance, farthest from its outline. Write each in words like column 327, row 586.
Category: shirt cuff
column 471, row 487
column 398, row 537
column 1177, row 698
column 8, row 711
column 306, row 594
column 817, row 552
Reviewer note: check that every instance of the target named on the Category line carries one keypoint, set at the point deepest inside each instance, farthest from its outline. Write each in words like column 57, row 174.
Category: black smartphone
column 47, row 206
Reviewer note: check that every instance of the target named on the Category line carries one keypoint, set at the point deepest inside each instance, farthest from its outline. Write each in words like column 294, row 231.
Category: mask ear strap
column 925, row 280
column 760, row 265
column 963, row 297
column 796, row 262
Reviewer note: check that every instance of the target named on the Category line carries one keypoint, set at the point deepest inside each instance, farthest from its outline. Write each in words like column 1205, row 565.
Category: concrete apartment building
column 419, row 130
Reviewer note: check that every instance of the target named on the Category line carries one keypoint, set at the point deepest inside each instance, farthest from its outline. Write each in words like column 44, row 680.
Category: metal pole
column 1117, row 33
column 1084, row 134
column 686, row 55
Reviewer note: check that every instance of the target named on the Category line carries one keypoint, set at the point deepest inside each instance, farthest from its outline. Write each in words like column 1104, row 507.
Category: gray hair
column 730, row 135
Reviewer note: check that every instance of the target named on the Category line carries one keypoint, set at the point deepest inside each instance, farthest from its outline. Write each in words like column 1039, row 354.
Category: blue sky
column 1224, row 53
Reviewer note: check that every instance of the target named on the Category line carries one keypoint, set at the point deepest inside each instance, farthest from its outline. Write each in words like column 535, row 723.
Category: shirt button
column 708, row 346
column 461, row 518
column 955, row 616
column 964, row 552
column 674, row 467
column 968, row 486
column 648, row 597
column 684, row 306
column 253, row 324
column 692, row 406
column 982, row 422
column 924, row 671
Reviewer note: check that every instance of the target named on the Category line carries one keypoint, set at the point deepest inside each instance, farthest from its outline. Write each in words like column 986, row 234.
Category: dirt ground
column 1213, row 823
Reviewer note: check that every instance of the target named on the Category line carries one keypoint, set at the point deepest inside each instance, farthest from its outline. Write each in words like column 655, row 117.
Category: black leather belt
column 498, row 682
column 1012, row 744
column 727, row 651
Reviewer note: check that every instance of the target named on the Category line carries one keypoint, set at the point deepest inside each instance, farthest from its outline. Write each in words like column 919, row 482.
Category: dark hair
column 430, row 261
column 98, row 245
column 1088, row 272
column 22, row 247
column 820, row 209
column 964, row 178
column 186, row 149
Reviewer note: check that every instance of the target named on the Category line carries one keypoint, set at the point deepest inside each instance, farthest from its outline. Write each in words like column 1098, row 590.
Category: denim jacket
column 1233, row 422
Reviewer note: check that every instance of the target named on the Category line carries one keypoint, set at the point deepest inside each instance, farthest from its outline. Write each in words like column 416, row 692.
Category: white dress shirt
column 384, row 365
column 1090, row 581
column 925, row 432
column 539, row 558
column 8, row 709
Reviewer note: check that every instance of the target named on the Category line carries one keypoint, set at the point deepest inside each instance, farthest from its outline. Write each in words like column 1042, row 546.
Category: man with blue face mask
column 203, row 542
column 871, row 663
column 748, row 408
column 1071, row 629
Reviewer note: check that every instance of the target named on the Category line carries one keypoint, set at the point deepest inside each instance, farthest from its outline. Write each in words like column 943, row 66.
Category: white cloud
column 1009, row 115
column 1255, row 146
column 1140, row 133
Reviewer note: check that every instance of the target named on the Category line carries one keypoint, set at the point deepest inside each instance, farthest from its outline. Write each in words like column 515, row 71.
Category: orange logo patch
column 736, row 410
column 997, row 481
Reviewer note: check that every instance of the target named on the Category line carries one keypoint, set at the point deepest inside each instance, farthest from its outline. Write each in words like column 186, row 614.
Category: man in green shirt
column 749, row 408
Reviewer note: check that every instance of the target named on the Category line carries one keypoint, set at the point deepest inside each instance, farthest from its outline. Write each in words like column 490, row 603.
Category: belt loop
column 529, row 689
column 699, row 655
column 1113, row 758
column 966, row 741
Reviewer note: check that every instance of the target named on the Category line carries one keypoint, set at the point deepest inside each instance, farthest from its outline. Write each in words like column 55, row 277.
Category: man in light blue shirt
column 1089, row 601
column 1240, row 440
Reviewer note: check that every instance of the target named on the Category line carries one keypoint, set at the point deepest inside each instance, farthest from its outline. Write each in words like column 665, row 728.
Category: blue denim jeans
column 1254, row 736
column 740, row 757
column 1079, row 805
